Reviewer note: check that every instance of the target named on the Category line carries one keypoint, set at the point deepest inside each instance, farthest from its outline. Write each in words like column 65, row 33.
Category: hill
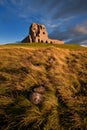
column 57, row 75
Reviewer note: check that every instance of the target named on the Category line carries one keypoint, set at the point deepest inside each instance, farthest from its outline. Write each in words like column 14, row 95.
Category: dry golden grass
column 62, row 72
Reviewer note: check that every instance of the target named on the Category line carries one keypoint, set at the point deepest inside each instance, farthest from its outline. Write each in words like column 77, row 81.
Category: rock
column 40, row 89
column 36, row 95
column 36, row 98
column 38, row 33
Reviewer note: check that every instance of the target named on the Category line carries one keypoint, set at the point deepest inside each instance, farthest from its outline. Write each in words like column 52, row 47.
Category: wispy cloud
column 82, row 29
column 84, row 42
column 59, row 16
column 71, row 34
column 3, row 2
column 71, row 7
column 17, row 2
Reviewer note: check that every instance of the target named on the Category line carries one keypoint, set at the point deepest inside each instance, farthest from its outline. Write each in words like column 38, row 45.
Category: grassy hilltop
column 60, row 69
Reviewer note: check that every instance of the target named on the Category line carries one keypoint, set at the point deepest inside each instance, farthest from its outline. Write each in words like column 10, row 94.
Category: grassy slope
column 43, row 45
column 62, row 72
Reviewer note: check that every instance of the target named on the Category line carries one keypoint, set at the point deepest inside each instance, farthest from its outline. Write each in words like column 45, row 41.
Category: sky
column 64, row 19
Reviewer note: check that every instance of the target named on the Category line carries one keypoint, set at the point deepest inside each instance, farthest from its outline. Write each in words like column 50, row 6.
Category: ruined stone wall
column 38, row 33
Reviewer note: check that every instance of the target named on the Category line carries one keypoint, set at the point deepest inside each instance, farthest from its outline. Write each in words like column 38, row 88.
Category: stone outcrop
column 36, row 96
column 38, row 33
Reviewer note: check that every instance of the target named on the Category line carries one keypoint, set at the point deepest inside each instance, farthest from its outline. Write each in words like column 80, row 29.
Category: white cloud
column 84, row 42
column 51, row 25
column 67, row 40
column 61, row 21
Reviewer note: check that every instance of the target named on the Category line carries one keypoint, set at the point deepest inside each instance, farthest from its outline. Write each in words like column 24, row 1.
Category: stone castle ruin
column 38, row 34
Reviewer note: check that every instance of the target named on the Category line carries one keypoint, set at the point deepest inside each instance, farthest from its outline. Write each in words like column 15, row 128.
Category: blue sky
column 64, row 19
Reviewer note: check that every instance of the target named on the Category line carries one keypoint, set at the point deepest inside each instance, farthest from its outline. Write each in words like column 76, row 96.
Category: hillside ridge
column 57, row 76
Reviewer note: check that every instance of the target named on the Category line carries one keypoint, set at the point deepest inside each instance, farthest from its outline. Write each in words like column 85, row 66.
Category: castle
column 38, row 34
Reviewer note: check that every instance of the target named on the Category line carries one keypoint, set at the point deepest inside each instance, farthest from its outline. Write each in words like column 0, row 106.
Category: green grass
column 42, row 45
column 63, row 74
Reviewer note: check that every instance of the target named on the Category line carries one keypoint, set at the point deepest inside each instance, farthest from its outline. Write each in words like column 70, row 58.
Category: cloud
column 59, row 16
column 84, row 42
column 79, row 39
column 55, row 8
column 82, row 29
column 70, row 34
column 40, row 9
column 1, row 2
column 64, row 29
column 25, row 9
column 70, row 7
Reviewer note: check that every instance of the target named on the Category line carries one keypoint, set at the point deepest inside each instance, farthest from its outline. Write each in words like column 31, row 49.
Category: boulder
column 36, row 95
column 36, row 98
column 40, row 89
column 38, row 34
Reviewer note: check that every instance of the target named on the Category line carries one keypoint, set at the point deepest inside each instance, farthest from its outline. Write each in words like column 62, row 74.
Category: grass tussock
column 63, row 74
